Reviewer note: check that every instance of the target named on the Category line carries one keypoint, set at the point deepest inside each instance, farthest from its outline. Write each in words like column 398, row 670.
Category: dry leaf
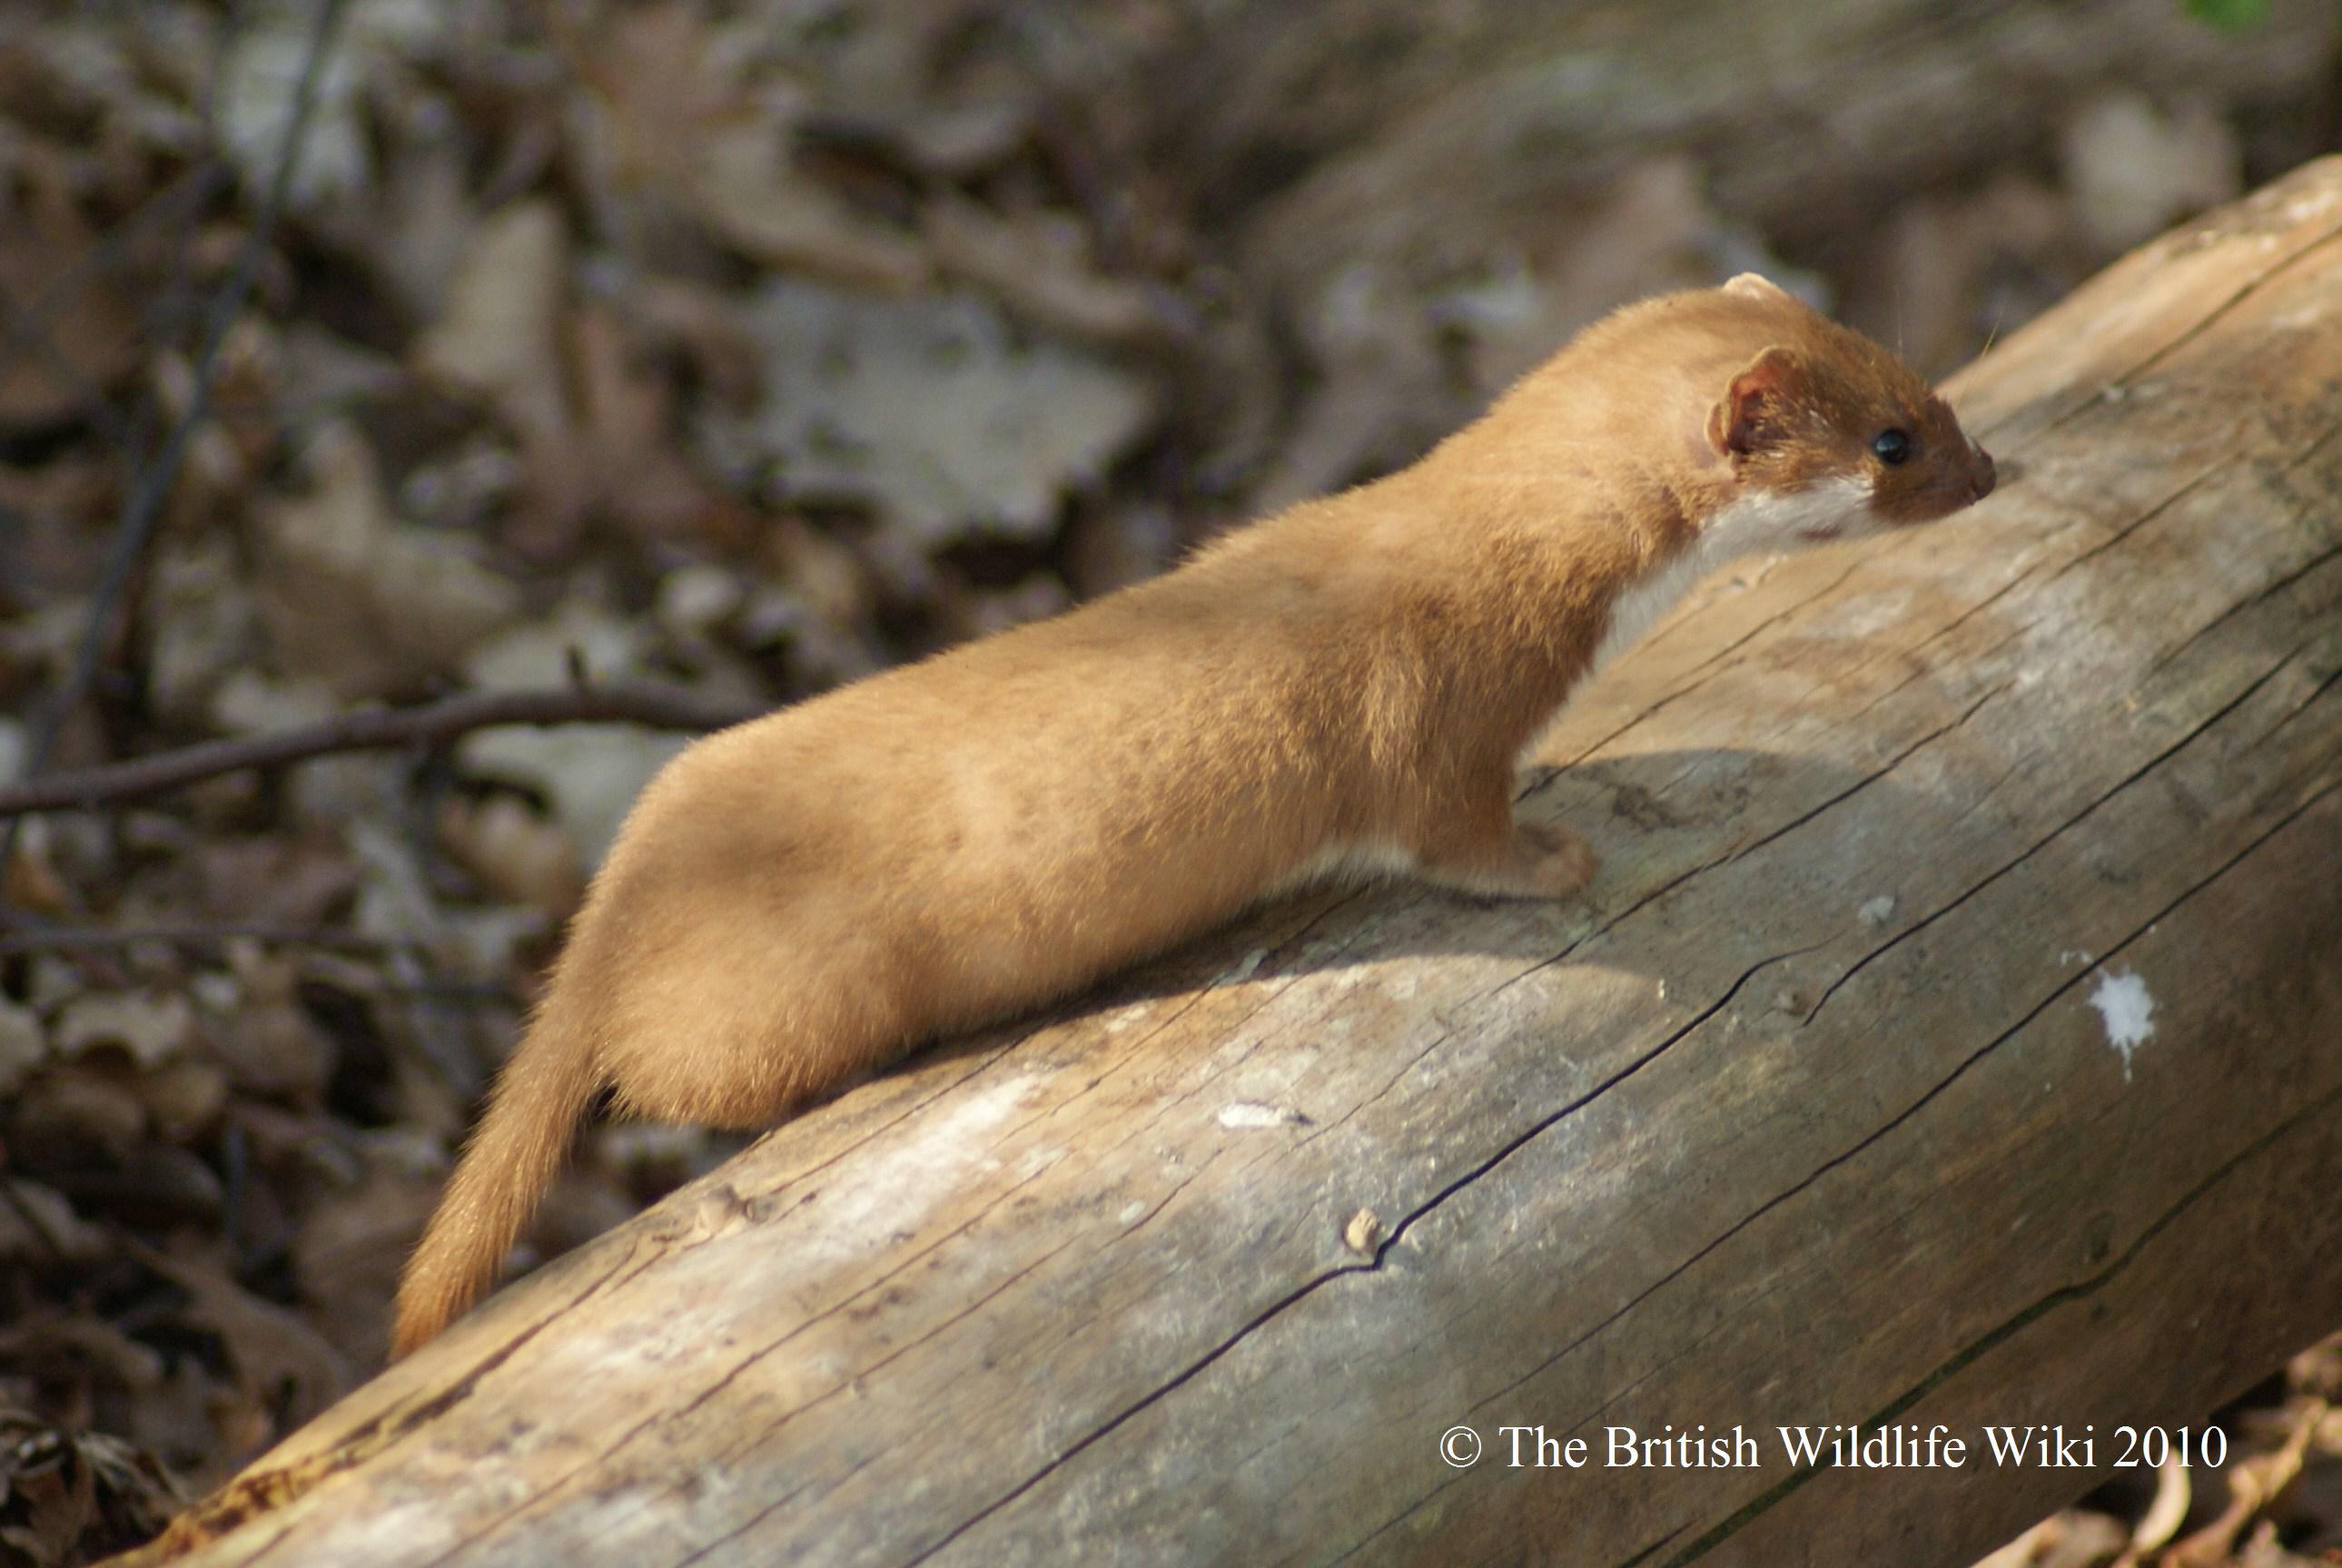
column 2073, row 1539
column 1379, row 372
column 23, row 1045
column 1038, row 264
column 88, row 335
column 930, row 411
column 72, row 1497
column 265, row 1038
column 355, row 598
column 181, row 1098
column 281, row 880
column 2164, row 1516
column 613, row 453
column 395, row 901
column 355, row 1237
column 426, row 221
column 37, row 1222
column 2134, row 170
column 677, row 128
column 1652, row 230
column 151, row 1028
column 498, row 334
column 202, row 623
column 2254, row 1481
column 282, row 1364
column 72, row 1102
column 261, row 75
column 518, row 856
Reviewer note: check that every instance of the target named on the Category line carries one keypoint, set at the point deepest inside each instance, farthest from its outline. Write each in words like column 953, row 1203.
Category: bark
column 1836, row 1102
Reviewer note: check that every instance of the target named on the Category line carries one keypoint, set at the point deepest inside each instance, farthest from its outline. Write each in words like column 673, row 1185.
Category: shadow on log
column 1951, row 1039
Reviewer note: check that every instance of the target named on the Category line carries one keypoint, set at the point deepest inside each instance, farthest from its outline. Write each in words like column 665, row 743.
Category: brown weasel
column 1342, row 689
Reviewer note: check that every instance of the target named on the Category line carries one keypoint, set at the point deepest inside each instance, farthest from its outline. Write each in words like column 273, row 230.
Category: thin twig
column 451, row 994
column 82, row 939
column 143, row 505
column 369, row 729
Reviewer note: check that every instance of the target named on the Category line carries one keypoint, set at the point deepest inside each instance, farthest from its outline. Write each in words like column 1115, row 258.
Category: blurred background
column 662, row 362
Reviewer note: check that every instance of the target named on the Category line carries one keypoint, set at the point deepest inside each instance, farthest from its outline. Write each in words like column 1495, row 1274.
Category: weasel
column 1340, row 690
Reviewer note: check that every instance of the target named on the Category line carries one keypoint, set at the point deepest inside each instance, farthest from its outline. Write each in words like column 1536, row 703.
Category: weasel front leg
column 1494, row 856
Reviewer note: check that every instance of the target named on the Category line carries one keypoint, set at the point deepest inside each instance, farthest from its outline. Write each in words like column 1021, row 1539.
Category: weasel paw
column 1560, row 861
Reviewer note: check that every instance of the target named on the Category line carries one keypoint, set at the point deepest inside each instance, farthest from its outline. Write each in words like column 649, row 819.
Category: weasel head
column 1829, row 435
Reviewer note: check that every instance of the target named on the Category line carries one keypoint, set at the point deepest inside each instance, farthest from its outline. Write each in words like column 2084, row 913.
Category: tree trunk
column 1950, row 1040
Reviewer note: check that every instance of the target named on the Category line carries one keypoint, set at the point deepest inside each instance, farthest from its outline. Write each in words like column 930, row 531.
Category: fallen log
column 1953, row 1041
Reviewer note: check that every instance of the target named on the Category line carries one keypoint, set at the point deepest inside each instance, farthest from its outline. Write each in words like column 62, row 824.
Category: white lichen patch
column 2128, row 1012
column 938, row 1158
column 1129, row 1015
column 1253, row 1113
column 1877, row 911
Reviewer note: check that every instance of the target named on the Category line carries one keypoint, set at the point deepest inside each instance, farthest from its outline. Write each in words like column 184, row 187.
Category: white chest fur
column 1752, row 525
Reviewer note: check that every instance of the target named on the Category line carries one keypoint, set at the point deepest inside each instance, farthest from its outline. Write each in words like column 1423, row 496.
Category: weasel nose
column 1983, row 477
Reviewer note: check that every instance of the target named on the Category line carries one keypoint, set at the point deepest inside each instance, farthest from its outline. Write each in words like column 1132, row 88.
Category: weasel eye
column 1891, row 446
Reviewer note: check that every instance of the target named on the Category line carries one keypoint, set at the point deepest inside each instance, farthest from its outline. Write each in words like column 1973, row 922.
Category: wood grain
column 1806, row 1116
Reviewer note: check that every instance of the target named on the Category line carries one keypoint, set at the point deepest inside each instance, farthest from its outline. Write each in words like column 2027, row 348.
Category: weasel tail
column 506, row 1167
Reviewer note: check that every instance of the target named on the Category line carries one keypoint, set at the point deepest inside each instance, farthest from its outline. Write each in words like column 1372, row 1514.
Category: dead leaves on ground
column 696, row 344
column 2276, row 1503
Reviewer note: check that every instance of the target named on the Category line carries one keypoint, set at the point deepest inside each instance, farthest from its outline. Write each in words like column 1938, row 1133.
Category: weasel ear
column 1755, row 408
column 1753, row 286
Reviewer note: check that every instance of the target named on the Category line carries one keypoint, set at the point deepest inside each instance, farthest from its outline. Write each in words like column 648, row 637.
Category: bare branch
column 143, row 505
column 369, row 729
column 42, row 937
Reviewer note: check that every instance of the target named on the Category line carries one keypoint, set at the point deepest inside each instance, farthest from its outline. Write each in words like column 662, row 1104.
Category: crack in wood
column 2301, row 707
column 2052, row 836
column 259, row 1493
column 1310, row 1286
column 1741, row 852
column 1867, row 1141
column 2064, row 1295
column 1707, row 669
column 2111, row 390
column 1672, row 1275
column 2259, row 597
column 2152, row 512
column 1914, row 650
column 1898, row 760
column 732, row 1374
